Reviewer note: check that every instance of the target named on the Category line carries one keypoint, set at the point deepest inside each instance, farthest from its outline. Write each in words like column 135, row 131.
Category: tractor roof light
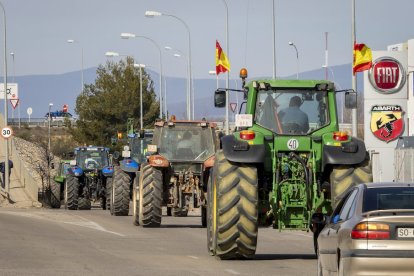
column 340, row 136
column 243, row 73
column 247, row 134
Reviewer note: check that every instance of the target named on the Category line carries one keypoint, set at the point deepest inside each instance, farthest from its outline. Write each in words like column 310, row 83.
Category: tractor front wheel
column 120, row 192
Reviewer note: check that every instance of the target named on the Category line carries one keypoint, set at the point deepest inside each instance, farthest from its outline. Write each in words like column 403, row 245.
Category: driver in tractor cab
column 293, row 119
column 184, row 146
column 91, row 163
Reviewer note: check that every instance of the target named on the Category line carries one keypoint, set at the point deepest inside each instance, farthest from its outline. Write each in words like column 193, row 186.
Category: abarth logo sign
column 387, row 123
column 387, row 75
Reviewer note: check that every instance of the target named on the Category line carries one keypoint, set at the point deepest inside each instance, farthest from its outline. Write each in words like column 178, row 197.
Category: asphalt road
column 61, row 242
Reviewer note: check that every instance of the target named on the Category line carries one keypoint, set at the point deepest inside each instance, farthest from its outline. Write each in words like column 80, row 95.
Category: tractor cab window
column 184, row 143
column 292, row 112
column 89, row 160
column 138, row 148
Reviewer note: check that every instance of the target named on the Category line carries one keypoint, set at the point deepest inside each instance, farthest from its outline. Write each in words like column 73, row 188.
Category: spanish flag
column 222, row 62
column 362, row 58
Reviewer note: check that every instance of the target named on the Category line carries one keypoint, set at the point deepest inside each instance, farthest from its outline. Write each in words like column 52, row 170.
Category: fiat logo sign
column 387, row 75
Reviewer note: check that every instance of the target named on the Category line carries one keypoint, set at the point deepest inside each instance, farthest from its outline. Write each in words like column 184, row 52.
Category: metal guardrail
column 34, row 122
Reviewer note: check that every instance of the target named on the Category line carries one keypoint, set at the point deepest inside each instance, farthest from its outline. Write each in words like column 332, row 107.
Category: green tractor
column 57, row 184
column 286, row 164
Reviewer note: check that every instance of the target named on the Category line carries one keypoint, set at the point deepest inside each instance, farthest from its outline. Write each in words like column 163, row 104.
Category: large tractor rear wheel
column 120, row 192
column 342, row 177
column 150, row 196
column 54, row 194
column 234, row 210
column 71, row 192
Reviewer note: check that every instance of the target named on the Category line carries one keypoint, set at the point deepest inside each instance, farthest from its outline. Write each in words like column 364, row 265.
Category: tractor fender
column 108, row 171
column 129, row 165
column 349, row 153
column 241, row 151
column 76, row 171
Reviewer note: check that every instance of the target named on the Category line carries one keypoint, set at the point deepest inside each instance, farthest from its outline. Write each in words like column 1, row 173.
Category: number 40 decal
column 293, row 144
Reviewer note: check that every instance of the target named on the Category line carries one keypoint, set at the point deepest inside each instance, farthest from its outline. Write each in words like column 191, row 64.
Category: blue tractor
column 89, row 175
column 127, row 169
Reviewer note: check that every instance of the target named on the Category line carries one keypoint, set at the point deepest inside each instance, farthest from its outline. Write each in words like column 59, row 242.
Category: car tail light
column 247, row 135
column 371, row 231
column 340, row 136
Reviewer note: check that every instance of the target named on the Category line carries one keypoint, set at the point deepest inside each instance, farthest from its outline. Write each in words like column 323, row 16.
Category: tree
column 105, row 106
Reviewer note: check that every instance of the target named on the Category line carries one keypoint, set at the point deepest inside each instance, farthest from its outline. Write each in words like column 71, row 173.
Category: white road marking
column 93, row 225
column 304, row 235
column 83, row 223
column 193, row 257
column 232, row 271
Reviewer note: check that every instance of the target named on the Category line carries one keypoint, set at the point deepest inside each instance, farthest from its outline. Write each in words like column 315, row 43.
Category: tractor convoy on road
column 285, row 165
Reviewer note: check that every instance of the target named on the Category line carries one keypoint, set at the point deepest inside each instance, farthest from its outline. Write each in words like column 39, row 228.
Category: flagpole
column 228, row 73
column 354, row 82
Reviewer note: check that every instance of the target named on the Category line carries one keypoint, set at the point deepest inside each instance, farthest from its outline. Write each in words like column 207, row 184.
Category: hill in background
column 37, row 91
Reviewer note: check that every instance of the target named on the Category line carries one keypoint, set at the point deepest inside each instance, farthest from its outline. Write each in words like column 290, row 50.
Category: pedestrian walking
column 3, row 172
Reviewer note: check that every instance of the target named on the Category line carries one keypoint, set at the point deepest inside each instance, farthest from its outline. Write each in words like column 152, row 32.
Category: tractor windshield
column 290, row 111
column 138, row 148
column 89, row 160
column 186, row 143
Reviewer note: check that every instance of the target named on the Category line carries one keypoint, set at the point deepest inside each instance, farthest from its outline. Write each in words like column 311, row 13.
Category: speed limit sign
column 6, row 132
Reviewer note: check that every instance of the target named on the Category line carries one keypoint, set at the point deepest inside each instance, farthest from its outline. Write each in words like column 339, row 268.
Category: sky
column 38, row 30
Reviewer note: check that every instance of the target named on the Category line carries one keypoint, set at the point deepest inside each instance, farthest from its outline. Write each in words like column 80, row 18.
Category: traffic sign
column 12, row 91
column 14, row 103
column 233, row 106
column 29, row 111
column 6, row 132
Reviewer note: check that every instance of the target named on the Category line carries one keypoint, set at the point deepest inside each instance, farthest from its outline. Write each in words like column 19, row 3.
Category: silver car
column 370, row 232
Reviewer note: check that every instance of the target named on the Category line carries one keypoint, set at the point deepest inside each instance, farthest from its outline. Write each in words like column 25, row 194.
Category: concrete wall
column 23, row 186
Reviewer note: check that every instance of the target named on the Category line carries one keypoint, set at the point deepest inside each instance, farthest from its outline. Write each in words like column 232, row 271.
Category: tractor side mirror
column 351, row 99
column 220, row 98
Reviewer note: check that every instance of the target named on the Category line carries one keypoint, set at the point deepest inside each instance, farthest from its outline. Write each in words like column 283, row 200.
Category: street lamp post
column 130, row 35
column 151, row 14
column 48, row 146
column 14, row 75
column 354, row 81
column 140, row 66
column 50, row 119
column 82, row 79
column 274, row 39
column 297, row 58
column 6, row 163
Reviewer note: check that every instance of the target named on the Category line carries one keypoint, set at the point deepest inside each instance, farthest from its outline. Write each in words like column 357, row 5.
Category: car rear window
column 388, row 198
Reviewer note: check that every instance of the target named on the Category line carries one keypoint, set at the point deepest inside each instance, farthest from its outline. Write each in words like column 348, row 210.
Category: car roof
column 387, row 184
